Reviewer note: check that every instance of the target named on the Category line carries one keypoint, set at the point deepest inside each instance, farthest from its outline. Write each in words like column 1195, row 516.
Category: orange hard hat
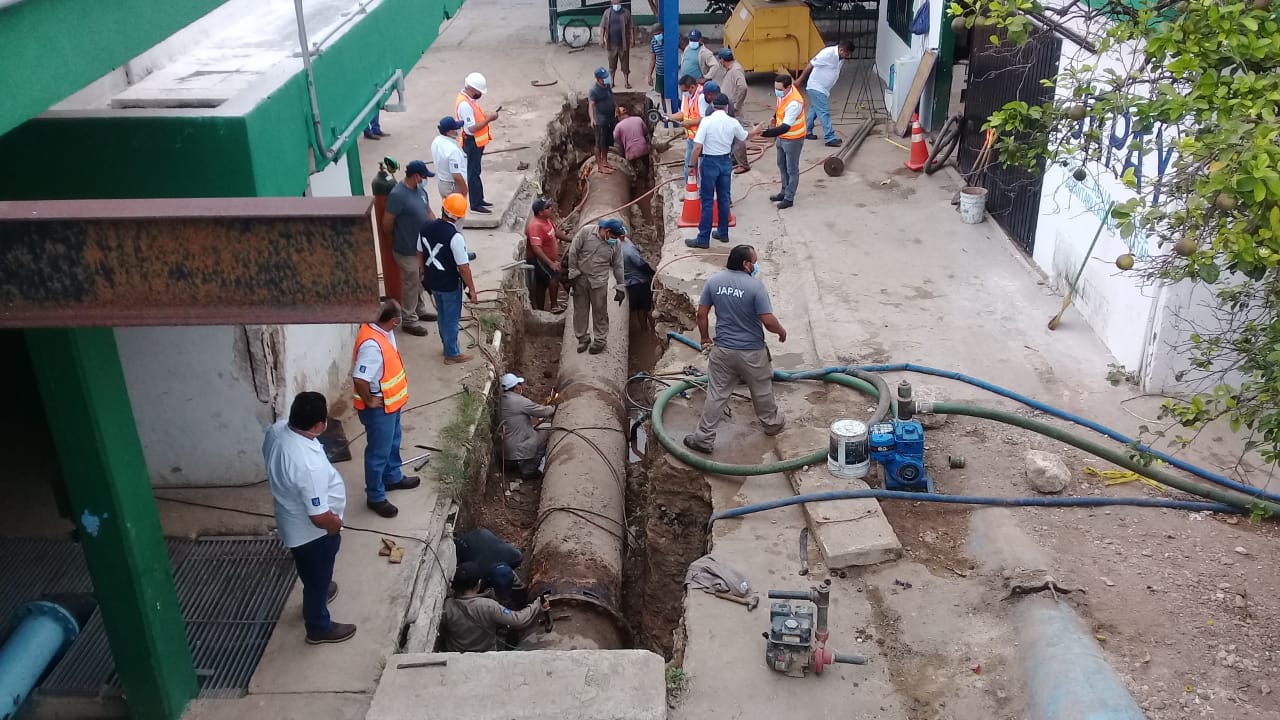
column 456, row 205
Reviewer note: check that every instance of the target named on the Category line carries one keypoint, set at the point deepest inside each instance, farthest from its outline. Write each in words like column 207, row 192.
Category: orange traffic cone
column 919, row 150
column 691, row 213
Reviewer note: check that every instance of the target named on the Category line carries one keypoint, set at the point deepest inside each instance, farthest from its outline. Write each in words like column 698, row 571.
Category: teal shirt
column 689, row 64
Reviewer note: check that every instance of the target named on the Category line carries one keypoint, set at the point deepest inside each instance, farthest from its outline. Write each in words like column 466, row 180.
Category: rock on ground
column 1046, row 473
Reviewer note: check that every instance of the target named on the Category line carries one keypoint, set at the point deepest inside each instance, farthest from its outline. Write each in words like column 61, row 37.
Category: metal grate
column 231, row 591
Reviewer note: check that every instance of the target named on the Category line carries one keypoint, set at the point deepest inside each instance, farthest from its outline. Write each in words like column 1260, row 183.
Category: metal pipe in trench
column 43, row 631
column 579, row 540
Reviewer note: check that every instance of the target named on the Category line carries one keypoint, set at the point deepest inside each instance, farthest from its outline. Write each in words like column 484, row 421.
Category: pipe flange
column 53, row 611
column 619, row 622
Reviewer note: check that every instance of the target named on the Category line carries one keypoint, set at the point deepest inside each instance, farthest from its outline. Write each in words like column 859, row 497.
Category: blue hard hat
column 615, row 227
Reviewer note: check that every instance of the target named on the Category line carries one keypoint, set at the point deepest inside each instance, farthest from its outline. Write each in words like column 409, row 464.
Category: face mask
column 604, row 82
column 694, row 45
column 755, row 269
column 778, row 93
column 617, row 8
column 658, row 37
column 611, row 240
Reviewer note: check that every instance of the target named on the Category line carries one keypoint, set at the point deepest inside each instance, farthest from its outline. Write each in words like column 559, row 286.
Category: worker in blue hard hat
column 593, row 255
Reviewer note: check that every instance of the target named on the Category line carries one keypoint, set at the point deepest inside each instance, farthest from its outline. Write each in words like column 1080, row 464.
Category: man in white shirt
column 712, row 156
column 449, row 159
column 309, row 500
column 821, row 74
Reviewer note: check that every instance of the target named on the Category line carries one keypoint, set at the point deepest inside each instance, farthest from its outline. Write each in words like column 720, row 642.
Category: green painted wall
column 52, row 48
column 267, row 152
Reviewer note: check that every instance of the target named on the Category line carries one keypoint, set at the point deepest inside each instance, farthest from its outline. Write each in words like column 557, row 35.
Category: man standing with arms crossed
column 618, row 36
column 789, row 128
column 309, row 500
column 739, row 352
column 450, row 160
column 407, row 209
column 446, row 269
column 821, row 73
column 381, row 388
column 475, row 135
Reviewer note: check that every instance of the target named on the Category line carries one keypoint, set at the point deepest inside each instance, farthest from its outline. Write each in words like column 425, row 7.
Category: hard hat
column 510, row 380
column 390, row 164
column 475, row 81
column 456, row 205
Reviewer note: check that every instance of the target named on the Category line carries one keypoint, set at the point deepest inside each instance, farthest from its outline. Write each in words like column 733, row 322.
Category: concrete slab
column 849, row 532
column 534, row 685
column 304, row 706
column 374, row 595
column 501, row 189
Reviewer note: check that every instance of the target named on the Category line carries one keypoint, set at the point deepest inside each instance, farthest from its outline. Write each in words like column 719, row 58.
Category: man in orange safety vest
column 475, row 136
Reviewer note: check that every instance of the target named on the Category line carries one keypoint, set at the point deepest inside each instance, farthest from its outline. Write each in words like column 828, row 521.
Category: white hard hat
column 509, row 381
column 475, row 81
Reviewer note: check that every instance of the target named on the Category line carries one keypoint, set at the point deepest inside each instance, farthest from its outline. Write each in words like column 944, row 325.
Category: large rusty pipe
column 579, row 540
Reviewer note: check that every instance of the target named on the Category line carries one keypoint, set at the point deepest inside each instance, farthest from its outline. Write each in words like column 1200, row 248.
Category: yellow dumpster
column 772, row 35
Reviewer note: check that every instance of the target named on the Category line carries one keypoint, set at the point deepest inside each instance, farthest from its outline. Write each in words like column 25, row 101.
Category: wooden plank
column 903, row 122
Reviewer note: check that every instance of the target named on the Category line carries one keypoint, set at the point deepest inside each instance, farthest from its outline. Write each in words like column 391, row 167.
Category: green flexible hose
column 1112, row 455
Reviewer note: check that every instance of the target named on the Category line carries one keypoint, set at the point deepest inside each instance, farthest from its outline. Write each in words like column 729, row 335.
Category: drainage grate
column 231, row 591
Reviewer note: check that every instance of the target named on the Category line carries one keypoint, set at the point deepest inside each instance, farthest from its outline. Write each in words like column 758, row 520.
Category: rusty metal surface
column 209, row 261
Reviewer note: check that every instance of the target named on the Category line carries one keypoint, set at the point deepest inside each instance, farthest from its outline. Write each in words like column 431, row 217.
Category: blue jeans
column 314, row 561
column 820, row 107
column 789, row 166
column 715, row 183
column 475, row 187
column 375, row 125
column 449, row 313
column 381, row 452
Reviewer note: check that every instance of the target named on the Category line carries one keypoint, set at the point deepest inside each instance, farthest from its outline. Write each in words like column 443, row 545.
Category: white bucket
column 973, row 205
column 849, row 454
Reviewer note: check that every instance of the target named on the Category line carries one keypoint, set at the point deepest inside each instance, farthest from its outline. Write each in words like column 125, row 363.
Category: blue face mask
column 658, row 37
column 755, row 270
column 778, row 92
column 611, row 240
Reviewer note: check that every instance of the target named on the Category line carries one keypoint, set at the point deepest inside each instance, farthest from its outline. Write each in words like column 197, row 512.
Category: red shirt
column 542, row 233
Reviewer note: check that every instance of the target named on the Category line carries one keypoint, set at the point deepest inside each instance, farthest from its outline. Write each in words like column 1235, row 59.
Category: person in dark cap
column 601, row 109
column 471, row 621
column 450, row 159
column 712, row 159
column 593, row 256
column 407, row 210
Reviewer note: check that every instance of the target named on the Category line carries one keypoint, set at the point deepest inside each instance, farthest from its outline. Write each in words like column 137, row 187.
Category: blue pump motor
column 899, row 448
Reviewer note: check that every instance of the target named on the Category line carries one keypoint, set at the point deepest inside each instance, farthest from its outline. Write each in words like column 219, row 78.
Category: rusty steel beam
column 210, row 261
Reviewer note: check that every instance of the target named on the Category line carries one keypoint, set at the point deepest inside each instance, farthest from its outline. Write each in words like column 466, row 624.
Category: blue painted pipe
column 1067, row 677
column 1196, row 470
column 44, row 630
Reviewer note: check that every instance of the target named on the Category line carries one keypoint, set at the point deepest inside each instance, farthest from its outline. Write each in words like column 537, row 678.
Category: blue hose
column 975, row 500
column 1200, row 472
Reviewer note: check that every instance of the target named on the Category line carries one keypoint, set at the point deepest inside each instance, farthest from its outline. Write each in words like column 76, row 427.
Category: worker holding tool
column 446, row 269
column 542, row 235
column 524, row 446
column 381, row 390
column 821, row 74
column 738, row 353
column 789, row 129
column 592, row 257
column 493, row 559
column 407, row 209
column 690, row 114
column 713, row 160
column 472, row 621
column 450, row 160
column 475, row 135
column 309, row 500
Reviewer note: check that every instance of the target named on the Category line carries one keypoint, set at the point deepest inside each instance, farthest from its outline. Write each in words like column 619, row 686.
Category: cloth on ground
column 710, row 575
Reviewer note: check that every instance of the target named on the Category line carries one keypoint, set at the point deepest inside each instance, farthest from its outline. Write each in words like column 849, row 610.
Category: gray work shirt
column 516, row 413
column 409, row 206
column 471, row 624
column 594, row 259
column 739, row 301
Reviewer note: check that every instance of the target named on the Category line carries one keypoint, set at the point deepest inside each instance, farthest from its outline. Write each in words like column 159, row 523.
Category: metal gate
column 999, row 74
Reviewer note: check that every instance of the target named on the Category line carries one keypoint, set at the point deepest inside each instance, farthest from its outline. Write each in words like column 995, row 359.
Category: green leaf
column 1208, row 272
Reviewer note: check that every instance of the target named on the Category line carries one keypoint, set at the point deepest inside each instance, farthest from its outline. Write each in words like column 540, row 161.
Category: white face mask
column 617, row 8
column 693, row 45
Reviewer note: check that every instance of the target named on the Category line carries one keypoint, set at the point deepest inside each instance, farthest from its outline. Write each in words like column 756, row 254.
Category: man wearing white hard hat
column 524, row 446
column 475, row 135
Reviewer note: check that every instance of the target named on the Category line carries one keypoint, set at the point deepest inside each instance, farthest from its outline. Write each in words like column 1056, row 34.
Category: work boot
column 810, row 136
column 481, row 209
column 693, row 243
column 692, row 444
column 337, row 632
column 371, row 136
column 785, row 204
column 383, row 508
column 777, row 197
column 597, row 347
column 457, row 359
column 834, row 143
column 772, row 430
column 583, row 342
column 333, row 591
column 428, row 316
column 408, row 482
column 717, row 236
column 416, row 329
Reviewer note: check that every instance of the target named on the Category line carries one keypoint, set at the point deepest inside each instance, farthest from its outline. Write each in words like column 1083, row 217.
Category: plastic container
column 973, row 205
column 849, row 454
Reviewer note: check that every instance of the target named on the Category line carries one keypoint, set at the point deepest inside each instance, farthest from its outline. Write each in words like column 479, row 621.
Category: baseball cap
column 724, row 54
column 711, row 88
column 448, row 123
column 720, row 100
column 615, row 227
column 417, row 167
column 602, row 73
column 695, row 35
column 540, row 204
column 510, row 380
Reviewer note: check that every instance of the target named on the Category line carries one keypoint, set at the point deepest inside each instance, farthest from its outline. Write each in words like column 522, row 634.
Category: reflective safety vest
column 691, row 109
column 798, row 129
column 394, row 384
column 483, row 137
